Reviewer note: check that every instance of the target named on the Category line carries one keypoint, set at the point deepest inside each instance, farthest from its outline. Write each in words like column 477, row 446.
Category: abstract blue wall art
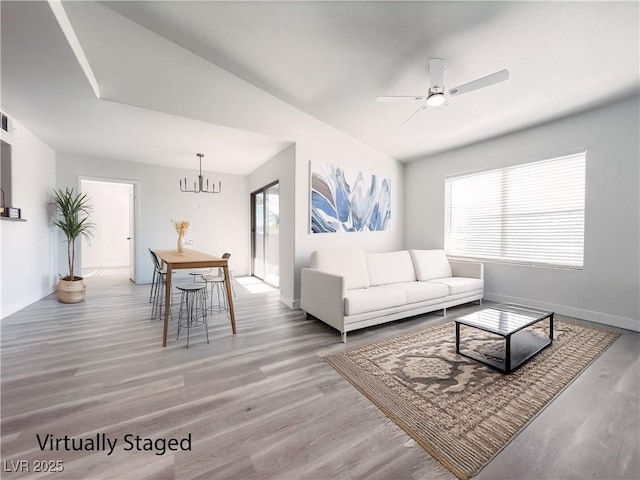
column 348, row 201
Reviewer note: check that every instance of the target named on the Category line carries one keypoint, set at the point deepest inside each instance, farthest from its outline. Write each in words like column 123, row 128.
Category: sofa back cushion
column 347, row 263
column 390, row 267
column 430, row 264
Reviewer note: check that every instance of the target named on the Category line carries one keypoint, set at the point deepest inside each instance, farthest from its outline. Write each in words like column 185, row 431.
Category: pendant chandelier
column 199, row 186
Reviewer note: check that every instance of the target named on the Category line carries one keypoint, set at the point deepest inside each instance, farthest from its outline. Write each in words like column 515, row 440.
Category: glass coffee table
column 507, row 320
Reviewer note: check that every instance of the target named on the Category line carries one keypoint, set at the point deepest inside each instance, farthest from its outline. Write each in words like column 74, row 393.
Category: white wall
column 108, row 246
column 291, row 167
column 607, row 289
column 218, row 223
column 28, row 257
column 318, row 142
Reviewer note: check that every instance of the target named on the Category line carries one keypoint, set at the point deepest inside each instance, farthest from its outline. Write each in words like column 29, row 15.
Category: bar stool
column 200, row 273
column 193, row 308
column 156, row 297
column 217, row 283
column 156, row 277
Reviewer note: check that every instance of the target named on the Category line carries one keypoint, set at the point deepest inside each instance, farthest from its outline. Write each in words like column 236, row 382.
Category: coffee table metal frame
column 505, row 320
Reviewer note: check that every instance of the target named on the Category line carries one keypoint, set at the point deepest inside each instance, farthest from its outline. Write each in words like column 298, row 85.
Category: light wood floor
column 263, row 404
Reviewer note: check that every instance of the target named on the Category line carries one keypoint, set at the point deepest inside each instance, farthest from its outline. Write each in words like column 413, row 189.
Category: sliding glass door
column 265, row 228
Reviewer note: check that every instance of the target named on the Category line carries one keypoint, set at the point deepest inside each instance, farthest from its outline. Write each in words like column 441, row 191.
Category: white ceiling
column 239, row 80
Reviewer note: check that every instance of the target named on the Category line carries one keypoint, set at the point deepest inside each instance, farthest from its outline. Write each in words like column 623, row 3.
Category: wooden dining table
column 175, row 260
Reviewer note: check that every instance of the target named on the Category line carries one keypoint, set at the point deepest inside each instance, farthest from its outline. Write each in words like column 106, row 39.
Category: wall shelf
column 14, row 219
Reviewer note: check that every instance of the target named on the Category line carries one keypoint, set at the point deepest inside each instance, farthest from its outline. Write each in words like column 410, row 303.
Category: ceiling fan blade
column 487, row 81
column 437, row 67
column 422, row 107
column 450, row 101
column 398, row 99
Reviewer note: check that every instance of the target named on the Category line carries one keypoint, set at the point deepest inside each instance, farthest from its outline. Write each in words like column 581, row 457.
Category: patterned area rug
column 460, row 411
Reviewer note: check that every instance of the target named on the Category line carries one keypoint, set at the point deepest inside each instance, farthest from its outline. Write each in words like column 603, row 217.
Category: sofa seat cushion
column 365, row 300
column 350, row 264
column 460, row 284
column 420, row 291
column 430, row 264
column 390, row 267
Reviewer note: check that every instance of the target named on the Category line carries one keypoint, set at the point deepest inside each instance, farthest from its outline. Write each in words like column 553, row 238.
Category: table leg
column 457, row 337
column 227, row 282
column 167, row 305
column 551, row 327
column 507, row 354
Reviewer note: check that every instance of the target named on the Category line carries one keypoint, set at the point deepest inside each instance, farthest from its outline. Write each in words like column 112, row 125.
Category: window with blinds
column 531, row 213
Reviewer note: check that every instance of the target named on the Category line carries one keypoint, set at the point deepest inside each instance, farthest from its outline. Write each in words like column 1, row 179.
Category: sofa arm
column 467, row 269
column 322, row 295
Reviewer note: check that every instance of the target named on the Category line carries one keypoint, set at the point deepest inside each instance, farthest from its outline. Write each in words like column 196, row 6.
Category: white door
column 111, row 250
column 131, row 238
column 266, row 234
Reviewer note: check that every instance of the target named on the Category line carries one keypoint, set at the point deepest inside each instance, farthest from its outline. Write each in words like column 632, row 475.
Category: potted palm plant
column 72, row 217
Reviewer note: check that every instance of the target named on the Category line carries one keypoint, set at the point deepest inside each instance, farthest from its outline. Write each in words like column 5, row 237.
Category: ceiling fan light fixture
column 436, row 94
column 435, row 99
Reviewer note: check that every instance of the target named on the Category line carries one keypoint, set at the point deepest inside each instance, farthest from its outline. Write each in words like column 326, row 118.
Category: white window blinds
column 531, row 213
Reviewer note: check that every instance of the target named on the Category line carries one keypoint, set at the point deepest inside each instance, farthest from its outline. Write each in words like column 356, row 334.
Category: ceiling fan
column 436, row 94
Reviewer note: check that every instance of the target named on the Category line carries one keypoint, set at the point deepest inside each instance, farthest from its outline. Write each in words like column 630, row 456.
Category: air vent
column 6, row 123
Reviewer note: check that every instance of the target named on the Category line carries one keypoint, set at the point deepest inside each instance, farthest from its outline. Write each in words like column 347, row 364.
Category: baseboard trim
column 592, row 316
column 291, row 303
column 24, row 302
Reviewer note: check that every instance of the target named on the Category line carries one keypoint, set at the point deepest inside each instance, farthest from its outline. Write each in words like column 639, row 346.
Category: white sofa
column 351, row 289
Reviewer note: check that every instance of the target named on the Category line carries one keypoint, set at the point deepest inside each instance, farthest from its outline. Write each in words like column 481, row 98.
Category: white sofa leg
column 343, row 336
column 480, row 302
column 444, row 312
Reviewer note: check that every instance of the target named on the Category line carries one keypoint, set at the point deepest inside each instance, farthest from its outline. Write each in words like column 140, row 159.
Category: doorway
column 111, row 249
column 265, row 234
